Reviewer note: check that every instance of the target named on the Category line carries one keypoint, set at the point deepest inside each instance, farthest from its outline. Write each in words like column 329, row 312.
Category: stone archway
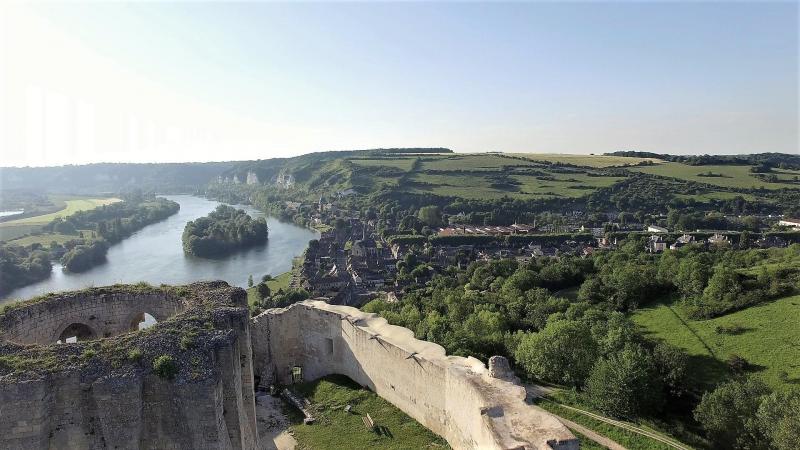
column 75, row 332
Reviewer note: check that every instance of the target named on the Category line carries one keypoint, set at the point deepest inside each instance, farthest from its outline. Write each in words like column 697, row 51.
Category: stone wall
column 105, row 313
column 94, row 394
column 454, row 397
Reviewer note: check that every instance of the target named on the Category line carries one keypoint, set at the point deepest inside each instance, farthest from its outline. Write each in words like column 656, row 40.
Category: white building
column 794, row 223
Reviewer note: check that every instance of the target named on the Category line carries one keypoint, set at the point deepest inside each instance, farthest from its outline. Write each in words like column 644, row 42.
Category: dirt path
column 272, row 424
column 538, row 391
column 598, row 438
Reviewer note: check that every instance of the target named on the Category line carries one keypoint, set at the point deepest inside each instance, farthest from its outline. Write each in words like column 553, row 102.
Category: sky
column 169, row 82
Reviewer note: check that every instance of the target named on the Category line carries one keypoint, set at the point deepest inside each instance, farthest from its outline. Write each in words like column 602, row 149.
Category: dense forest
column 225, row 230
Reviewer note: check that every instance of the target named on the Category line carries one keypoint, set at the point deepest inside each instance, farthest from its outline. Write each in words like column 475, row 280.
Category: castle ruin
column 109, row 391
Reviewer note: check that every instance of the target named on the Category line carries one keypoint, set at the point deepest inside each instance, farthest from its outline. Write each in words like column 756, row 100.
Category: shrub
column 135, row 354
column 164, row 366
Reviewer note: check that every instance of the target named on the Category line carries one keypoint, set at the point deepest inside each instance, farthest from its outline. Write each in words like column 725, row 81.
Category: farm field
column 732, row 176
column 46, row 239
column 767, row 341
column 477, row 186
column 404, row 164
column 71, row 207
column 472, row 161
column 598, row 161
column 337, row 429
column 10, row 232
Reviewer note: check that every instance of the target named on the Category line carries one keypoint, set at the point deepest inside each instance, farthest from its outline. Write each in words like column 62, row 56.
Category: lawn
column 768, row 340
column 337, row 429
column 71, row 207
column 732, row 176
column 598, row 161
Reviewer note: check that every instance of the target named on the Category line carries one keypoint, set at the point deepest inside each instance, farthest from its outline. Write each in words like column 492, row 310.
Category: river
column 154, row 254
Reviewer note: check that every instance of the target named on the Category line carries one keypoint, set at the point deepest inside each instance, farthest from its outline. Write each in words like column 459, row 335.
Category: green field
column 337, row 429
column 476, row 186
column 400, row 163
column 598, row 161
column 47, row 238
column 10, row 232
column 732, row 176
column 769, row 340
column 71, row 207
column 472, row 161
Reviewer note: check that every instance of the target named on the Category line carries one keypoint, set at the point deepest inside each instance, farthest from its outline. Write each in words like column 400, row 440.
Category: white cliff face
column 252, row 178
column 455, row 397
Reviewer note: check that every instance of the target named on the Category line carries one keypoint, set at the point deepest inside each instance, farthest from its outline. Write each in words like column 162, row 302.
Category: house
column 684, row 240
column 656, row 229
column 719, row 240
column 794, row 223
column 656, row 244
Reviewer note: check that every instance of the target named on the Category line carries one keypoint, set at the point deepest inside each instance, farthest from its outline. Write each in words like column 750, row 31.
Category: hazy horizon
column 152, row 82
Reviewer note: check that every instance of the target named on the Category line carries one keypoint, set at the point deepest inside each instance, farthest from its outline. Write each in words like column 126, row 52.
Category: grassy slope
column 734, row 176
column 278, row 282
column 769, row 341
column 71, row 207
column 337, row 429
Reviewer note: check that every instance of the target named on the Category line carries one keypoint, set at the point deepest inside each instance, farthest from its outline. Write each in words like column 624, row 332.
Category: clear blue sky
column 215, row 81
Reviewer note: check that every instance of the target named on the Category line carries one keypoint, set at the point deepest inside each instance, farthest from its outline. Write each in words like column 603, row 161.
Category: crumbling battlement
column 107, row 393
column 454, row 397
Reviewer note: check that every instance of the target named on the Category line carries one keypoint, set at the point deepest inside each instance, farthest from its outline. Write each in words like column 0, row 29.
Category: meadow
column 729, row 176
column 70, row 207
column 47, row 238
column 336, row 428
column 767, row 338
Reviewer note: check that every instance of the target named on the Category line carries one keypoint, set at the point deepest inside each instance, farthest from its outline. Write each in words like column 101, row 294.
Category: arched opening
column 142, row 321
column 76, row 332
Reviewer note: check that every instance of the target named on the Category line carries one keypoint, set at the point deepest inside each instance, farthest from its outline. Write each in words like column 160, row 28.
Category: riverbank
column 154, row 255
